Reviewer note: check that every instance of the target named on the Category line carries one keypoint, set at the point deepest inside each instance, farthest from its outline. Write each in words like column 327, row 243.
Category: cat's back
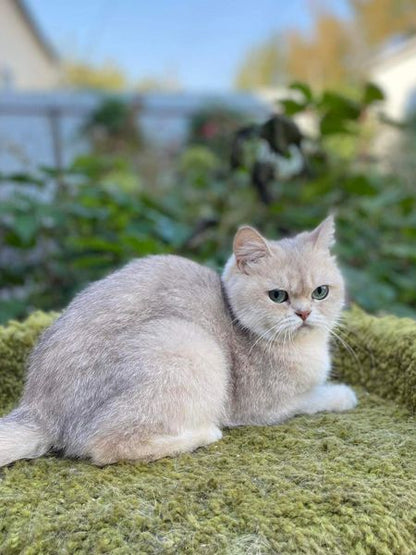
column 151, row 288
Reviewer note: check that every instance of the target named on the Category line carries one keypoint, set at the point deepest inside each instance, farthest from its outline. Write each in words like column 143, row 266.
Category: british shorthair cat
column 155, row 359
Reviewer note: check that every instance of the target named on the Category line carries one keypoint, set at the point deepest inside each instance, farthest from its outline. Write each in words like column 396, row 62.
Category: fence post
column 54, row 115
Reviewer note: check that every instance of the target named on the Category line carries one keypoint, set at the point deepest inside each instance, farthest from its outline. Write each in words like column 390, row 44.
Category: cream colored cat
column 156, row 358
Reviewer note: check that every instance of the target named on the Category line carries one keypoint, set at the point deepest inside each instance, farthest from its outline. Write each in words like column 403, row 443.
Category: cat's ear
column 323, row 236
column 249, row 246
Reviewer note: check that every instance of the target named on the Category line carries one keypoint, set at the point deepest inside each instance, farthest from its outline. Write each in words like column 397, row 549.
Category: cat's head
column 286, row 288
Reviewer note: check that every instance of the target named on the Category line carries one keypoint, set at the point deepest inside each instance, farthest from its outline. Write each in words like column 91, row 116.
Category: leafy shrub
column 78, row 233
column 58, row 238
column 113, row 126
column 213, row 127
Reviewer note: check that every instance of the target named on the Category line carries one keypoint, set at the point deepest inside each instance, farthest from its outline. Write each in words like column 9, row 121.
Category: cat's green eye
column 320, row 292
column 278, row 295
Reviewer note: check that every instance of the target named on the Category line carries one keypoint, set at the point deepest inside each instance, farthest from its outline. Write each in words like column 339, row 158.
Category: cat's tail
column 21, row 437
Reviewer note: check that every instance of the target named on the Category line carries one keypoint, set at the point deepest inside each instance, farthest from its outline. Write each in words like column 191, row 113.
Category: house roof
column 40, row 38
column 394, row 52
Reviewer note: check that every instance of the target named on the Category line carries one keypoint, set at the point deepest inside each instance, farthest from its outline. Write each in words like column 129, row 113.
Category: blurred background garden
column 131, row 129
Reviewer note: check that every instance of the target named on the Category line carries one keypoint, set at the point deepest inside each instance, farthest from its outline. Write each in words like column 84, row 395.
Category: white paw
column 341, row 398
column 216, row 433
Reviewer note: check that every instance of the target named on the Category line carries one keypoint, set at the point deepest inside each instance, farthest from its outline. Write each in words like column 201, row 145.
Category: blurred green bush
column 213, row 126
column 112, row 127
column 61, row 230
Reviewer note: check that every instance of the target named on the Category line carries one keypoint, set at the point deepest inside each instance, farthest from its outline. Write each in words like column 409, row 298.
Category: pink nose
column 303, row 314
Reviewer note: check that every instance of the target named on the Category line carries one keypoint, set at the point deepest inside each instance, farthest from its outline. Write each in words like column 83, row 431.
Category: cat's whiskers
column 346, row 345
column 274, row 332
column 337, row 336
column 272, row 340
column 263, row 336
column 284, row 333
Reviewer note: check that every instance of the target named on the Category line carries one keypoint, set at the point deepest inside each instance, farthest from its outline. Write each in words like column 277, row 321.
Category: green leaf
column 24, row 178
column 144, row 245
column 170, row 231
column 291, row 107
column 372, row 93
column 96, row 244
column 340, row 106
column 11, row 308
column 91, row 261
column 331, row 124
column 360, row 185
column 26, row 226
column 302, row 88
column 403, row 250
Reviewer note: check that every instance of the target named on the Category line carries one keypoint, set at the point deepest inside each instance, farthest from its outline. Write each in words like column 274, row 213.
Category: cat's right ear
column 249, row 247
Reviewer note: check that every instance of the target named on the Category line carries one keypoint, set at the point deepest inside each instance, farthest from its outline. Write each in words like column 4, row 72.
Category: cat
column 156, row 358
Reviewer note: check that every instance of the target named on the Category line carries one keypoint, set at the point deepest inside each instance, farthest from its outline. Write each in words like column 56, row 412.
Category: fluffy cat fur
column 156, row 358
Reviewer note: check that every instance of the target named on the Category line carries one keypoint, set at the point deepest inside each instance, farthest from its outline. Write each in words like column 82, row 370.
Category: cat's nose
column 303, row 314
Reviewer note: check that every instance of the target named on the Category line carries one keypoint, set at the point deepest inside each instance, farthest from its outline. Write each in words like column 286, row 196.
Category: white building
column 394, row 70
column 27, row 61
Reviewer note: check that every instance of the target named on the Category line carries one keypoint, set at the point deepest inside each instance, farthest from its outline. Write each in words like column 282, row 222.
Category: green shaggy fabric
column 330, row 483
column 380, row 355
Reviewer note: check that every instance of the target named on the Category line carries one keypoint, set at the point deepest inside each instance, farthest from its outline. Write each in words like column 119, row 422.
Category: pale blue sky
column 201, row 42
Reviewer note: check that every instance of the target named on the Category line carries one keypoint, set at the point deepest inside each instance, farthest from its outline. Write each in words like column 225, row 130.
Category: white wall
column 396, row 75
column 23, row 63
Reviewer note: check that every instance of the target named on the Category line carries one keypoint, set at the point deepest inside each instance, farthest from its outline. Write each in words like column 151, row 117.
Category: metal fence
column 44, row 129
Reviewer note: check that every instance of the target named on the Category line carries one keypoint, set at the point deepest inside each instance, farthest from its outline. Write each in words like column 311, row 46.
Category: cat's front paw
column 341, row 398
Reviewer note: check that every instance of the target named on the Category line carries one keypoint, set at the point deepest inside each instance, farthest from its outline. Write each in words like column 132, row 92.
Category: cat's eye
column 320, row 292
column 278, row 295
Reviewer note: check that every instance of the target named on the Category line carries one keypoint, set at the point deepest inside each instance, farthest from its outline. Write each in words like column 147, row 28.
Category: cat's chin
column 306, row 327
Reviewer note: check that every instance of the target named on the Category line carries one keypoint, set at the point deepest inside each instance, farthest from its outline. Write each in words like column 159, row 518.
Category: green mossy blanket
column 330, row 483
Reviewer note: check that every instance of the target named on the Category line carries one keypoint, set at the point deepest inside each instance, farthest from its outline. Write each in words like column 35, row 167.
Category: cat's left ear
column 323, row 236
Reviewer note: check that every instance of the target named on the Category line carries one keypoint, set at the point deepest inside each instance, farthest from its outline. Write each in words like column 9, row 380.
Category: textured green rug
column 331, row 483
